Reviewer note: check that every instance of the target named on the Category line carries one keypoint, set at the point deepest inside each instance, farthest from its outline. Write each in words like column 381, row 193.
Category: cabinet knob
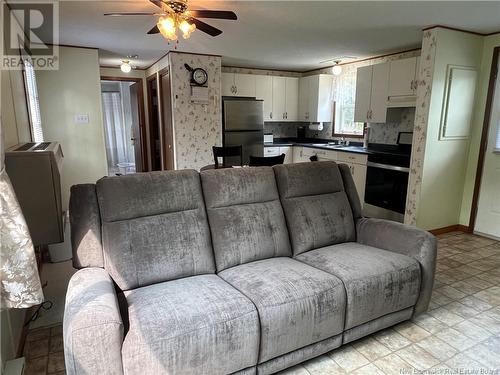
column 270, row 115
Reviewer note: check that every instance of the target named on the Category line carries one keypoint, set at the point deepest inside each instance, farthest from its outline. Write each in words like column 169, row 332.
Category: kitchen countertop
column 323, row 144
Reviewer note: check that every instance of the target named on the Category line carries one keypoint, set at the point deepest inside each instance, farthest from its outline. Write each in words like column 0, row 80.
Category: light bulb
column 125, row 66
column 336, row 69
column 167, row 28
column 186, row 28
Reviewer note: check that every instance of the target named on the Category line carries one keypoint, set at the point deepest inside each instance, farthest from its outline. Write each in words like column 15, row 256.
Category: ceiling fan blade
column 219, row 14
column 158, row 3
column 154, row 30
column 205, row 27
column 119, row 14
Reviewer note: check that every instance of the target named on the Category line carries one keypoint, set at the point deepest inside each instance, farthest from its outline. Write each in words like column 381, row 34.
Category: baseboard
column 451, row 228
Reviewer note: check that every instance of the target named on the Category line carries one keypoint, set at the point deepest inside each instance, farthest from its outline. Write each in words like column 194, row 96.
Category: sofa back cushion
column 154, row 227
column 245, row 215
column 315, row 203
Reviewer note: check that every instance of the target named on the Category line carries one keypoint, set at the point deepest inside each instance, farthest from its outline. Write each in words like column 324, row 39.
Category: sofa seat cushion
column 377, row 282
column 298, row 305
column 195, row 325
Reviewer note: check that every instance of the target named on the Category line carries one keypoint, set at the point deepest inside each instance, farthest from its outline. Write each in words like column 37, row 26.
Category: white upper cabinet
column 380, row 84
column 279, row 99
column 363, row 94
column 292, row 99
column 403, row 79
column 233, row 84
column 264, row 91
column 227, row 84
column 315, row 98
column 285, row 98
column 245, row 85
column 371, row 93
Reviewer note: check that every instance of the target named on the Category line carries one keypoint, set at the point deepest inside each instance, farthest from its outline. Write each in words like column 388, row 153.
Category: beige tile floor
column 460, row 332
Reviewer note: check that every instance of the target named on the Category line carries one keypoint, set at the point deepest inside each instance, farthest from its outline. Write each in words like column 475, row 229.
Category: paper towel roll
column 316, row 126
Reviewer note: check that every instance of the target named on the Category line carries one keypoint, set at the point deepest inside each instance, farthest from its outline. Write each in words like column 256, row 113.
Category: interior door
column 136, row 100
column 488, row 211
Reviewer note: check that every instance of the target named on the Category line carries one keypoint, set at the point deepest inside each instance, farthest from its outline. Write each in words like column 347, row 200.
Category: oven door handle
column 389, row 167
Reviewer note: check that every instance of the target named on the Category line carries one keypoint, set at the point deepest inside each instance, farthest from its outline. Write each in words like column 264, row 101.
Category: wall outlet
column 82, row 118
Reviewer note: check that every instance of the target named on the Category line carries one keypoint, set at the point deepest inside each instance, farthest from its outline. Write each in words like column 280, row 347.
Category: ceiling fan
column 175, row 15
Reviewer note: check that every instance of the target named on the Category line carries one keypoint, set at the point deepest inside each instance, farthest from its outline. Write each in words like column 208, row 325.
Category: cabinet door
column 264, row 91
column 363, row 93
column 402, row 77
column 378, row 101
column 292, row 99
column 304, row 98
column 288, row 154
column 358, row 173
column 245, row 84
column 279, row 99
column 298, row 155
column 227, row 84
column 324, row 111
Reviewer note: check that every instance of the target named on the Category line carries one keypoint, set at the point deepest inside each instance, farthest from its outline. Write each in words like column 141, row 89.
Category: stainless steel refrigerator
column 243, row 124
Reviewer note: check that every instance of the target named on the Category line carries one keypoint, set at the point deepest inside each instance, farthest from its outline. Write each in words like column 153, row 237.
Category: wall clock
column 199, row 76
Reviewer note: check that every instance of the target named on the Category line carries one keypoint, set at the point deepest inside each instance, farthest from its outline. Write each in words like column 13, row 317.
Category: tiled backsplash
column 398, row 120
column 282, row 129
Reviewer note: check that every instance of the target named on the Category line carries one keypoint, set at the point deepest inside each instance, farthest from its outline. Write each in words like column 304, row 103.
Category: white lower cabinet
column 287, row 150
column 298, row 154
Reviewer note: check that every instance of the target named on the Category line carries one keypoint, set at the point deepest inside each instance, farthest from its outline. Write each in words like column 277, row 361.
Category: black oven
column 386, row 185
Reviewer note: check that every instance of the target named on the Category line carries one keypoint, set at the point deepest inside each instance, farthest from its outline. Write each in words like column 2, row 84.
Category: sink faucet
column 342, row 141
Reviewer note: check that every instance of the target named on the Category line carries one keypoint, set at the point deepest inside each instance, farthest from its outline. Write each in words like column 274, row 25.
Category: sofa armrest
column 407, row 240
column 92, row 327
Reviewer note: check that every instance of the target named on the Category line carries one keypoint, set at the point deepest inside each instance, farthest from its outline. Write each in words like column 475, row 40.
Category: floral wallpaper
column 197, row 127
column 420, row 130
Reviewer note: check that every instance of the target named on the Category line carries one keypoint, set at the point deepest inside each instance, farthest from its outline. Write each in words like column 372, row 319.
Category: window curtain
column 20, row 284
column 118, row 145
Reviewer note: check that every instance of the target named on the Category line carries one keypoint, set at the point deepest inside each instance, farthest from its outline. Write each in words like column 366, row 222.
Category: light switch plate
column 82, row 118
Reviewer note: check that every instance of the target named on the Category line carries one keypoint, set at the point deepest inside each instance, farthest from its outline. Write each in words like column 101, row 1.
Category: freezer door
column 243, row 115
column 252, row 142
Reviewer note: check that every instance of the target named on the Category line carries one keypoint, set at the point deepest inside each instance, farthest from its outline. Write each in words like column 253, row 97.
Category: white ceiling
column 291, row 35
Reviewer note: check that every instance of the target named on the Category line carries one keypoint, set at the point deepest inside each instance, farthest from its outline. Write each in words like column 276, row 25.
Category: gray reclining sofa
column 233, row 271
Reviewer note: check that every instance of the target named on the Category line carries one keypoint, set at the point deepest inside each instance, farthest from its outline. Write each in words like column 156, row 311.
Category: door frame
column 142, row 114
column 167, row 123
column 484, row 137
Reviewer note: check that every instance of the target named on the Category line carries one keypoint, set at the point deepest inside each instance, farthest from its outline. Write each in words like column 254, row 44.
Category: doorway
column 486, row 203
column 123, row 120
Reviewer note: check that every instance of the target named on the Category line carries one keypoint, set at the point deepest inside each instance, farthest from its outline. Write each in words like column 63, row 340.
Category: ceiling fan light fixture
column 187, row 28
column 167, row 27
column 125, row 66
column 336, row 69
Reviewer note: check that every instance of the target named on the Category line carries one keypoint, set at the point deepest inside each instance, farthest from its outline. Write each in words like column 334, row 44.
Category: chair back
column 261, row 161
column 225, row 152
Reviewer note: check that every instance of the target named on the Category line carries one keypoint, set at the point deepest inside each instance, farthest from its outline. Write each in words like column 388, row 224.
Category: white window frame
column 32, row 101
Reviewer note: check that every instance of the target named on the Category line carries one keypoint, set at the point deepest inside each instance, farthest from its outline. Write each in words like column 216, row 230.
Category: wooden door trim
column 484, row 137
column 167, row 154
column 142, row 113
